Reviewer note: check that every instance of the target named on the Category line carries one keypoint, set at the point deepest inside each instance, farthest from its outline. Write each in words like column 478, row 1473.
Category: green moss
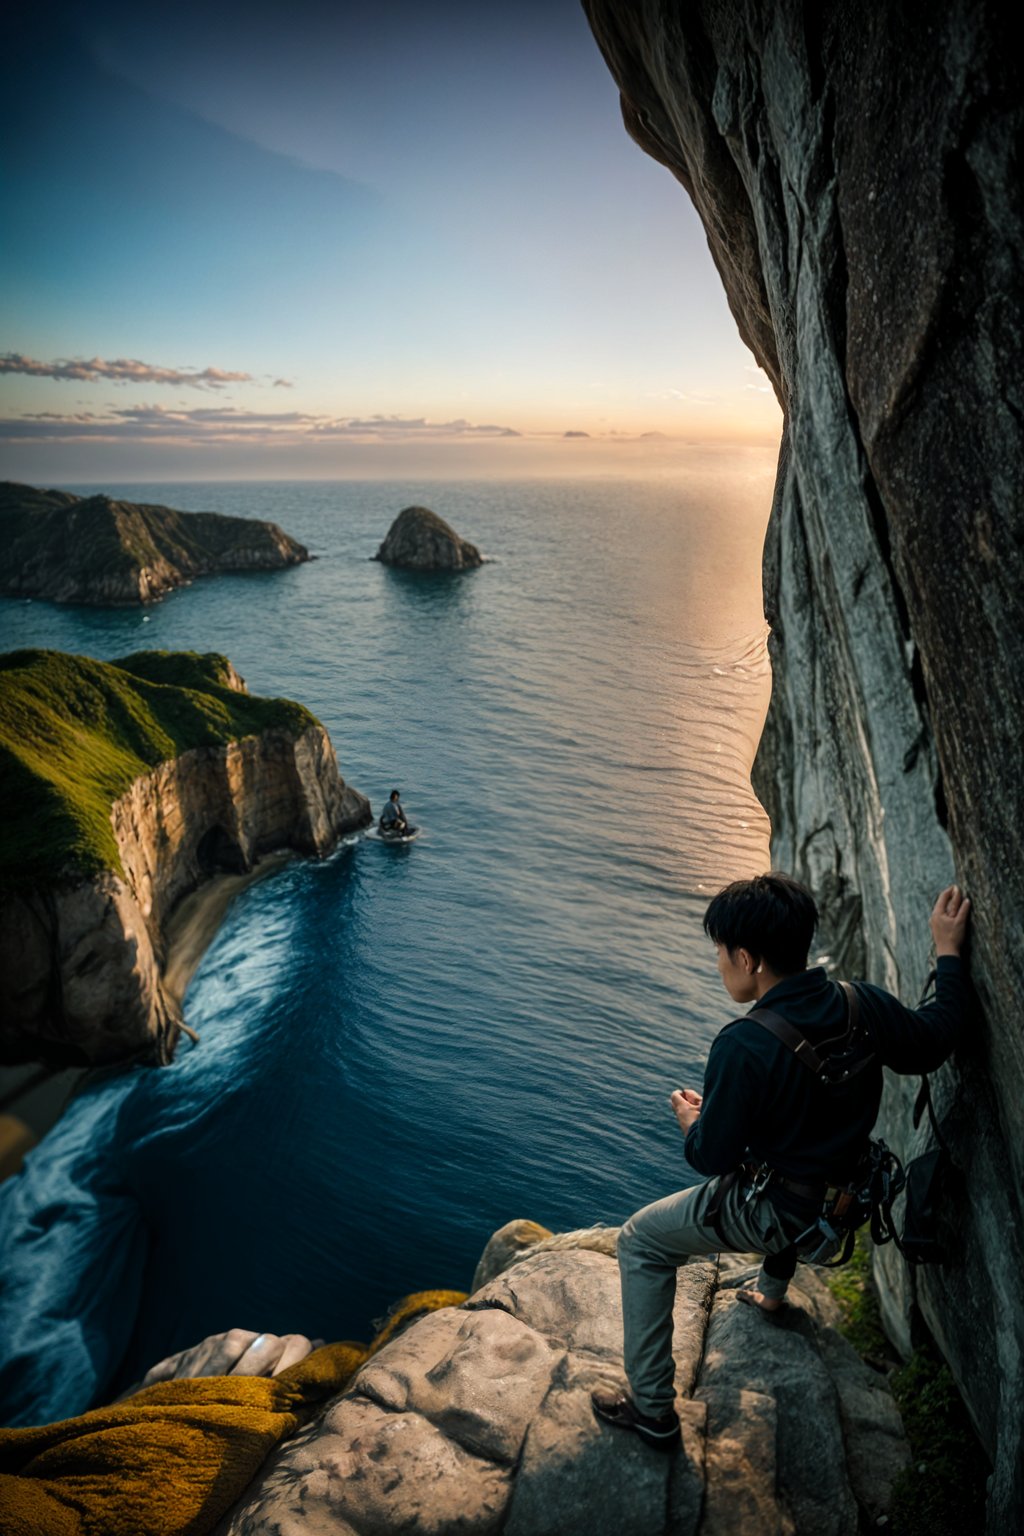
column 942, row 1492
column 854, row 1289
column 75, row 733
column 408, row 1310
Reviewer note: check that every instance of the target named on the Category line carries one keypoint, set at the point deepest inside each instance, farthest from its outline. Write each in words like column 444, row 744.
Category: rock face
column 478, row 1420
column 82, row 954
column 419, row 540
column 96, row 550
column 855, row 169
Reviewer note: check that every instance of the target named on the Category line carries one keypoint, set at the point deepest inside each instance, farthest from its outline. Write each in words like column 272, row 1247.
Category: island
column 126, row 785
column 419, row 540
column 107, row 553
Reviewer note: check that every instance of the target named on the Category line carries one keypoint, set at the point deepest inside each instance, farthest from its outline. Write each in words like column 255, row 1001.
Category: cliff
column 856, row 172
column 125, row 785
column 96, row 550
column 477, row 1418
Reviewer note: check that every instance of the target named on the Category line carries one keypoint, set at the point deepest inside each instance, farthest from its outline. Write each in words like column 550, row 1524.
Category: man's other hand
column 235, row 1353
column 686, row 1107
column 948, row 921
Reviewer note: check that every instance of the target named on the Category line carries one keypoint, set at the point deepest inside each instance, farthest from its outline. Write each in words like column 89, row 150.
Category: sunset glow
column 349, row 244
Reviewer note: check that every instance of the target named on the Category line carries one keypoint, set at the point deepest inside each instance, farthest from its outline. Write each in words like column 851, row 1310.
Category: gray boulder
column 419, row 540
column 477, row 1419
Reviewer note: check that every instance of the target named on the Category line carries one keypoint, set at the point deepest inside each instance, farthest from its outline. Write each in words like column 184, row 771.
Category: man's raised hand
column 949, row 919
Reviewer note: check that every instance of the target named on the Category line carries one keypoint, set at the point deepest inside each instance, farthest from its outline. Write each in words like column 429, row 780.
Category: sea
column 403, row 1048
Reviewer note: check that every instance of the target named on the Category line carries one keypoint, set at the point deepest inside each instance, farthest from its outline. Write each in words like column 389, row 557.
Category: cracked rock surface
column 477, row 1419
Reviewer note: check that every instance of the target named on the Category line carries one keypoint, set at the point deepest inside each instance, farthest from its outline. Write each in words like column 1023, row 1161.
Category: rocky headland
column 477, row 1418
column 95, row 550
column 419, row 540
column 855, row 171
column 125, row 786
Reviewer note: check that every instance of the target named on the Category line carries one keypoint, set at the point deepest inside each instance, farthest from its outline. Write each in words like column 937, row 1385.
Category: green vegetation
column 854, row 1290
column 75, row 733
column 942, row 1491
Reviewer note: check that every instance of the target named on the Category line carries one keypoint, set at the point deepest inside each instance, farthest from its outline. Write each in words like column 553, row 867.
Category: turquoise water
column 402, row 1049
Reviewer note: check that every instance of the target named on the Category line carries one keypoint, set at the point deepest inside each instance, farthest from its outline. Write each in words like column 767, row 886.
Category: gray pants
column 652, row 1246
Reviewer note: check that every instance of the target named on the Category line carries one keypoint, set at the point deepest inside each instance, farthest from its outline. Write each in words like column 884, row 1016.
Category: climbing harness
column 879, row 1176
column 833, row 1060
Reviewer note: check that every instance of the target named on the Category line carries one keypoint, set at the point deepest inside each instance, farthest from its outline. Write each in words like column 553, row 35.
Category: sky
column 273, row 240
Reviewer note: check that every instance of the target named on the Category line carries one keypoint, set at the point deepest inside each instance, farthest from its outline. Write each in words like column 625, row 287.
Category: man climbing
column 392, row 817
column 773, row 1138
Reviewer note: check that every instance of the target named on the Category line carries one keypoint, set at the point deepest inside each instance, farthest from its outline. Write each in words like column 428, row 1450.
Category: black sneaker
column 615, row 1406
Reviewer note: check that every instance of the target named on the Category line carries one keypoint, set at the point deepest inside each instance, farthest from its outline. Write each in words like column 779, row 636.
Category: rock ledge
column 478, row 1420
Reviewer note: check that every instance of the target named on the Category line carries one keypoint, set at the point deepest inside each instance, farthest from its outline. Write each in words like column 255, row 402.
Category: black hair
column 395, row 792
column 773, row 916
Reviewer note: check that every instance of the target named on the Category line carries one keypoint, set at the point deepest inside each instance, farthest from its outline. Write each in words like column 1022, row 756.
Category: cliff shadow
column 219, row 853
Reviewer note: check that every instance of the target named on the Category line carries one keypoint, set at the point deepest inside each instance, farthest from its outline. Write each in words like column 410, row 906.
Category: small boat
column 408, row 836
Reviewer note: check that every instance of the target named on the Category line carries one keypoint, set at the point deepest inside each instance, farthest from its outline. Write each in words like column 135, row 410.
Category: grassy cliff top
column 75, row 733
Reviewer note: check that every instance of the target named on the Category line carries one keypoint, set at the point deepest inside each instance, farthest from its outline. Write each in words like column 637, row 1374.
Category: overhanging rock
column 857, row 171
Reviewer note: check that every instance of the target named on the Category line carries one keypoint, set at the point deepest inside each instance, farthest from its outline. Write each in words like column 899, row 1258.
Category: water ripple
column 403, row 1049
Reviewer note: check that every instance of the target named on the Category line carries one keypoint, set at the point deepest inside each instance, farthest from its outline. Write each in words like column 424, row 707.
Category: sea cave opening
column 220, row 853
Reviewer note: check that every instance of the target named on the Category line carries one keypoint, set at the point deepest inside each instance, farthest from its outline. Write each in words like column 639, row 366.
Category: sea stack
column 419, row 540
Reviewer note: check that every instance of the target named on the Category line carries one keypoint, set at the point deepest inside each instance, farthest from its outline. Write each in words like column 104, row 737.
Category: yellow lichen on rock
column 402, row 1314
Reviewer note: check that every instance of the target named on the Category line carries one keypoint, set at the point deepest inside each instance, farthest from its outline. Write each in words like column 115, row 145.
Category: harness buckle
column 760, row 1178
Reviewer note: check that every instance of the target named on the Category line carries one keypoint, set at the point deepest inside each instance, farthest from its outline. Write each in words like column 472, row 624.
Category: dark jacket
column 761, row 1103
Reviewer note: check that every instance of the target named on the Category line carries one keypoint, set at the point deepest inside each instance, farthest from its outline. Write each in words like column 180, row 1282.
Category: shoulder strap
column 852, row 1006
column 924, row 1094
column 790, row 1037
column 923, row 1102
column 801, row 1047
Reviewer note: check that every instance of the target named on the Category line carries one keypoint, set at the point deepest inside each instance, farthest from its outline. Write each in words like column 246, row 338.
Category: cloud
column 575, row 434
column 221, row 424
column 681, row 394
column 120, row 370
column 406, row 426
column 283, row 384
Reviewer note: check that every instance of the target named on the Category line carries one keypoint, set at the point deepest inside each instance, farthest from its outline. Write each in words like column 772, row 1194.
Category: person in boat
column 392, row 817
column 773, row 1141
